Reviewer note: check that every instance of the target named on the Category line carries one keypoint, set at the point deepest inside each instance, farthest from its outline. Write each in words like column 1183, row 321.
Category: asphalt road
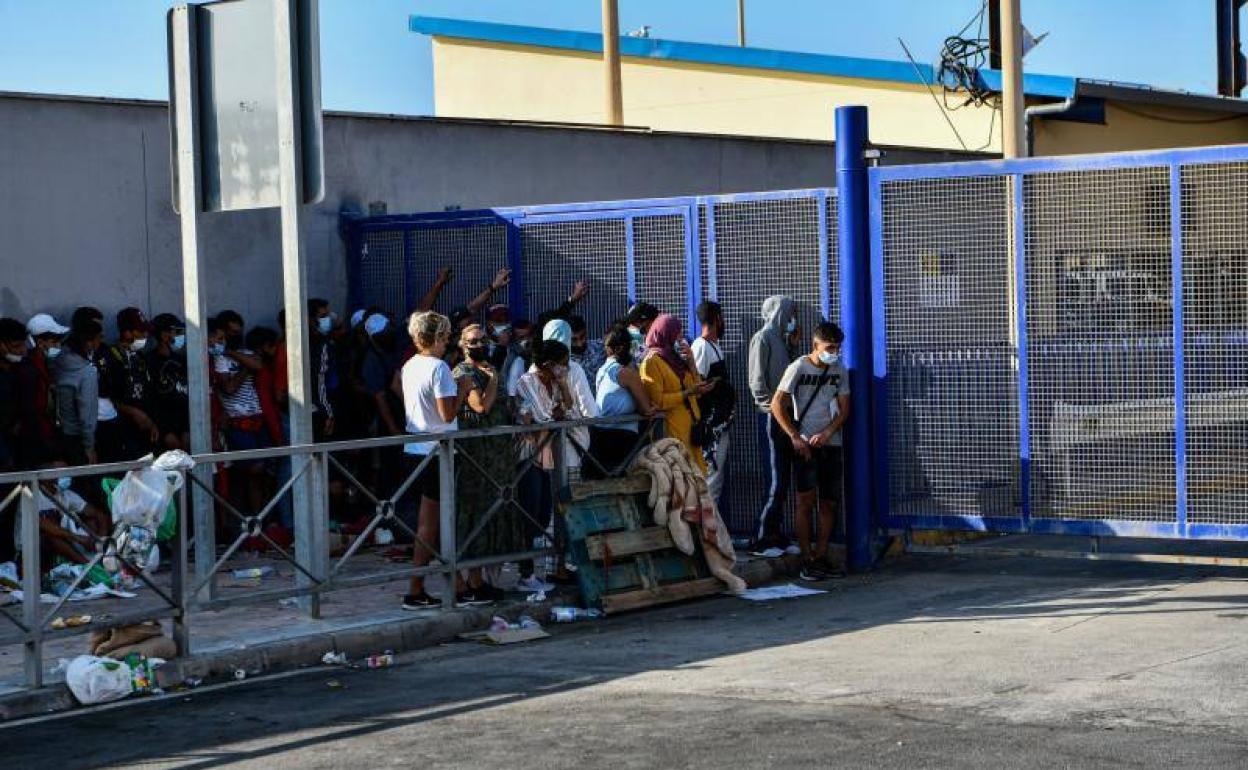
column 1062, row 667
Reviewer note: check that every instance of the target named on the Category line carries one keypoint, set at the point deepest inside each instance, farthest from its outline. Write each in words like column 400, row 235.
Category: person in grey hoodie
column 769, row 357
column 77, row 393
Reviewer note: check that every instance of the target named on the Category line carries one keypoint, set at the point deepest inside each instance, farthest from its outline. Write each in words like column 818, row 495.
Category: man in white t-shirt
column 810, row 405
column 431, row 401
column 718, row 404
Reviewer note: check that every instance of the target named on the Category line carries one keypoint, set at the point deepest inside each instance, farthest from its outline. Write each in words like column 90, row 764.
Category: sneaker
column 472, row 597
column 810, row 573
column 532, row 584
column 769, row 546
column 420, row 601
column 793, row 551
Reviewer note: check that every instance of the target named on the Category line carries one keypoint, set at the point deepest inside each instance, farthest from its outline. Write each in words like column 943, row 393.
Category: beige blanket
column 680, row 500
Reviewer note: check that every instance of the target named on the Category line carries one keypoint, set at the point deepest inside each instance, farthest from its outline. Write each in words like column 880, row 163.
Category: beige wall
column 486, row 80
column 1139, row 127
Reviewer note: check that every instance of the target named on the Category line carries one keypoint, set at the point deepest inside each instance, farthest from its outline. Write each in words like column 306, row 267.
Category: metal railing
column 197, row 563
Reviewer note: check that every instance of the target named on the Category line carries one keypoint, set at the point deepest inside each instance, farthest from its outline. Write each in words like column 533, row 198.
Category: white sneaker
column 532, row 584
column 772, row 553
column 793, row 550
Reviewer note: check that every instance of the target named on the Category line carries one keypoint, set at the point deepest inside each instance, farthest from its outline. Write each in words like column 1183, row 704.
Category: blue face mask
column 64, row 483
column 216, row 349
column 325, row 325
column 827, row 357
column 791, row 326
column 179, row 342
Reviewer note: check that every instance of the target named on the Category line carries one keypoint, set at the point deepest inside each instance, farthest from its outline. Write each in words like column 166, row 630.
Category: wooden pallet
column 625, row 562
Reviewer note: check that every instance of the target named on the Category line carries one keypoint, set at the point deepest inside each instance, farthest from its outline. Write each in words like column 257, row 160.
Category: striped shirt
column 244, row 402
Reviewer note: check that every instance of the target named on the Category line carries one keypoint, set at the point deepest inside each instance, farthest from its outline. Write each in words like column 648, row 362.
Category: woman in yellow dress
column 672, row 381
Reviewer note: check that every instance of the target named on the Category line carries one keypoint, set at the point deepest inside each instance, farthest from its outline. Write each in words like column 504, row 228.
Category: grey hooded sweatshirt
column 77, row 397
column 769, row 355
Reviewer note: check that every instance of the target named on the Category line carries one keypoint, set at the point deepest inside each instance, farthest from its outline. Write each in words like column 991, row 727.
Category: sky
column 370, row 62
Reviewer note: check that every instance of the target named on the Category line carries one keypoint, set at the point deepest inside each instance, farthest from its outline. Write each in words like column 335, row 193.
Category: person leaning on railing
column 619, row 392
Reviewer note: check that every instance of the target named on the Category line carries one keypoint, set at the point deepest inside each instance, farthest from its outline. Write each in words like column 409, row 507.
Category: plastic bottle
column 572, row 614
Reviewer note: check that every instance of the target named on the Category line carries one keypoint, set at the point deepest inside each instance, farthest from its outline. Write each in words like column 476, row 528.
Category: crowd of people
column 69, row 397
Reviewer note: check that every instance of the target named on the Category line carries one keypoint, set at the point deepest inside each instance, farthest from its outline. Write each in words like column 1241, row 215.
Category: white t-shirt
column 706, row 353
column 426, row 379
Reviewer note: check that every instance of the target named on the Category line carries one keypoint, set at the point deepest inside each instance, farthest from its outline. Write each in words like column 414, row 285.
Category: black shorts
column 823, row 471
column 429, row 482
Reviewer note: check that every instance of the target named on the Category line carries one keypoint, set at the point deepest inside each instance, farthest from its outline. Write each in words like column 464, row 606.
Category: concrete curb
column 406, row 635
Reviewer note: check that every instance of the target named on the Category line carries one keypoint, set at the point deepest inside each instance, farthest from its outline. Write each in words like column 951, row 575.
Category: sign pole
column 311, row 520
column 186, row 97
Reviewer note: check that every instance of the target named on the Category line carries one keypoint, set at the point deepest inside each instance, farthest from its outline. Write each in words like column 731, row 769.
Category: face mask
column 64, row 483
column 477, row 353
column 827, row 358
column 138, row 345
column 791, row 326
column 501, row 329
column 12, row 358
column 216, row 349
column 179, row 342
column 52, row 353
column 635, row 333
column 325, row 325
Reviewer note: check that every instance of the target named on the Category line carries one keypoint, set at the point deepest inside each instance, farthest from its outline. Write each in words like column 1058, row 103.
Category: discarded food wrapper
column 333, row 684
column 385, row 660
column 527, row 622
column 240, row 674
column 334, row 658
column 72, row 621
column 536, row 598
column 193, row 682
column 499, row 624
column 253, row 573
column 383, row 536
column 290, row 602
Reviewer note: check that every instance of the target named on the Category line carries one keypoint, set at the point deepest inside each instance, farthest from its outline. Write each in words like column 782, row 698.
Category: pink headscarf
column 661, row 339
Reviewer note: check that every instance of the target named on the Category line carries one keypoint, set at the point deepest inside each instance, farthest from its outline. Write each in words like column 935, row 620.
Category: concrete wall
column 85, row 214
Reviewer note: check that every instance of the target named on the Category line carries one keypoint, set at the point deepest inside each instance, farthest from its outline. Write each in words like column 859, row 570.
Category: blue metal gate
column 671, row 252
column 1060, row 344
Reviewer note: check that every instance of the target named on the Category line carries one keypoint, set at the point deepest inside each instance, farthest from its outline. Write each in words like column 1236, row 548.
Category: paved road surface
column 934, row 663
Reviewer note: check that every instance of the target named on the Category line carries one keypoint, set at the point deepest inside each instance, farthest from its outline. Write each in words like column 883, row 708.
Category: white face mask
column 13, row 359
column 139, row 345
column 64, row 483
column 791, row 326
column 827, row 357
column 325, row 325
column 52, row 353
column 179, row 342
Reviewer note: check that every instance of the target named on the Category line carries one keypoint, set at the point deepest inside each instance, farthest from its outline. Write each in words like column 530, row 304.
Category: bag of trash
column 98, row 680
column 143, row 496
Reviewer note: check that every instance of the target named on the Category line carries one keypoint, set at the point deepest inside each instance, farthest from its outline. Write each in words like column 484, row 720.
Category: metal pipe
column 1043, row 110
column 611, row 62
column 854, row 258
column 1013, row 143
column 741, row 23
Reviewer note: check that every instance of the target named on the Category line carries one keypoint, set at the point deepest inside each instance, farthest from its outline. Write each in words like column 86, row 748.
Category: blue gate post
column 855, row 262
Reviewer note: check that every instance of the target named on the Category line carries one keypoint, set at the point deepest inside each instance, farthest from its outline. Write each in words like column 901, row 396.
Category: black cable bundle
column 960, row 61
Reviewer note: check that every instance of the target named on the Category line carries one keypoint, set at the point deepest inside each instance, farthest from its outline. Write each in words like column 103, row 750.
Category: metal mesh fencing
column 762, row 247
column 952, row 398
column 473, row 252
column 1215, row 340
column 382, row 277
column 1100, row 344
column 558, row 254
column 659, row 264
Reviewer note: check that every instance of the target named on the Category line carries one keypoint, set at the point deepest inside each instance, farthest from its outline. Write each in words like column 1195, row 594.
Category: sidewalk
column 273, row 636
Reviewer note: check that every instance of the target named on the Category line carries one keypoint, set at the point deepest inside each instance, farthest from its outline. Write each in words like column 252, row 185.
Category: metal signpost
column 245, row 119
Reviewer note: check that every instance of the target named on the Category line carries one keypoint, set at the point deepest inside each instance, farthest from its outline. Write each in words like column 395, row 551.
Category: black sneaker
column 811, row 573
column 420, row 601
column 472, row 597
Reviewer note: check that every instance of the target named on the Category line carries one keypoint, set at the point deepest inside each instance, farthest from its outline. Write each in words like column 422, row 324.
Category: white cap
column 376, row 324
column 44, row 324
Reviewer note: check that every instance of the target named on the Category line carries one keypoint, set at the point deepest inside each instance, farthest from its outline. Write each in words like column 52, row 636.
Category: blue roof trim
column 722, row 55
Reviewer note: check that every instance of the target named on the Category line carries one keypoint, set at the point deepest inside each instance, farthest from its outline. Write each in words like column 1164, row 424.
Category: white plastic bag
column 98, row 680
column 142, row 497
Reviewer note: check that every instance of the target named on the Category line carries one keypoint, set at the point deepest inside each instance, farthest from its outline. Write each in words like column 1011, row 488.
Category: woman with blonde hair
column 431, row 403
